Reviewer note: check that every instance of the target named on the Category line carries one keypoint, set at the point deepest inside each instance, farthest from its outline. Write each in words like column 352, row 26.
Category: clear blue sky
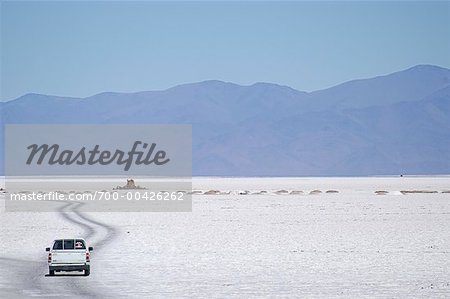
column 82, row 48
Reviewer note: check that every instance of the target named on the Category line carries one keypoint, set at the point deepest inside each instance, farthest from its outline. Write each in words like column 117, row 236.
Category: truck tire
column 87, row 272
column 51, row 272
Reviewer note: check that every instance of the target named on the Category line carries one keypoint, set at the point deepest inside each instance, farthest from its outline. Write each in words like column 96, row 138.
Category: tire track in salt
column 27, row 281
column 91, row 228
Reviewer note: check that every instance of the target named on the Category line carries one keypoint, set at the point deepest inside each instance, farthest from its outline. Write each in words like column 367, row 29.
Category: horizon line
column 224, row 82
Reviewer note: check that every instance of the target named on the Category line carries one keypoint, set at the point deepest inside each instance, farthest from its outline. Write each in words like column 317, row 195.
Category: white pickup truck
column 69, row 255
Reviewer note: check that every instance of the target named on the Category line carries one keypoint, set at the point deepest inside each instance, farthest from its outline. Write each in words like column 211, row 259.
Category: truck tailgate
column 69, row 256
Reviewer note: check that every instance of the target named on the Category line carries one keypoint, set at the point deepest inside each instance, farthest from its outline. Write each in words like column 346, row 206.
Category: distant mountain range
column 387, row 125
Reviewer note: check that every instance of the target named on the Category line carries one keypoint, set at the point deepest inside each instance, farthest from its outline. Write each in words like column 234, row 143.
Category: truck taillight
column 49, row 257
column 88, row 257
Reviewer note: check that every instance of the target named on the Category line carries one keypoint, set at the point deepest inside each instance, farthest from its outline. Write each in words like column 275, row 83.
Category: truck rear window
column 79, row 244
column 69, row 244
column 58, row 244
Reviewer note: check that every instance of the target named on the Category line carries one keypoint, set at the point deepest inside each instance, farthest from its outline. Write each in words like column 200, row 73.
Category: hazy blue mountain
column 410, row 85
column 398, row 123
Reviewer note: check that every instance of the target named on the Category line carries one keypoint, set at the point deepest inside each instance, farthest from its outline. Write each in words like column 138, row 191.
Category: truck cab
column 69, row 255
